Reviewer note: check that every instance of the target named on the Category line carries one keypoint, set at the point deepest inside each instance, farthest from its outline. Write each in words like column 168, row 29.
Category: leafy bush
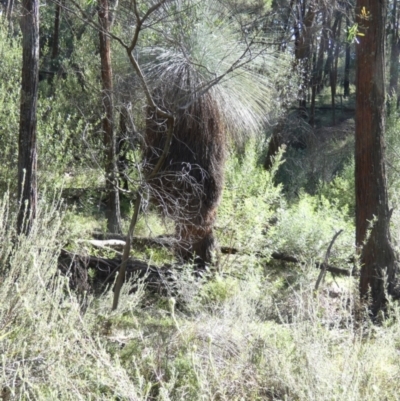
column 251, row 198
column 341, row 190
column 306, row 228
column 10, row 75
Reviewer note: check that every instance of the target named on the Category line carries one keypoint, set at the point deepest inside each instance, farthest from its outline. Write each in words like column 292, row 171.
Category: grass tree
column 219, row 85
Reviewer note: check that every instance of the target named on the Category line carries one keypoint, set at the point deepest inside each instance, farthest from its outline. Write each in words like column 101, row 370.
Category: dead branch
column 325, row 263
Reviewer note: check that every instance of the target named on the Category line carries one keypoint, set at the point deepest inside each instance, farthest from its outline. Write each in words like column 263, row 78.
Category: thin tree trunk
column 346, row 80
column 9, row 13
column 331, row 48
column 313, row 95
column 317, row 74
column 303, row 44
column 55, row 43
column 377, row 256
column 56, row 33
column 121, row 149
column 333, row 73
column 113, row 213
column 394, row 55
column 27, row 148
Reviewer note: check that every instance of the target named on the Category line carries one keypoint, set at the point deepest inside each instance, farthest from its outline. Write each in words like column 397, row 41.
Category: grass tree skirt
column 188, row 186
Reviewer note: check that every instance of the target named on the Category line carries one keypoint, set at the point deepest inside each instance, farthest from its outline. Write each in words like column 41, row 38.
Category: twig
column 325, row 263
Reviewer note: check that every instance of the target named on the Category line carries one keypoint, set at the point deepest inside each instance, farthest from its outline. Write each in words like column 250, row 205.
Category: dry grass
column 263, row 336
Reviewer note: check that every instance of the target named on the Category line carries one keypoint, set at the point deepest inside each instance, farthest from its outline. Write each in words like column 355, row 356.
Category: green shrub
column 250, row 199
column 306, row 228
column 10, row 76
column 341, row 190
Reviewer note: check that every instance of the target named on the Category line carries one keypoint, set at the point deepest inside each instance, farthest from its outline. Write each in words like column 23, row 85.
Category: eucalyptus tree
column 378, row 264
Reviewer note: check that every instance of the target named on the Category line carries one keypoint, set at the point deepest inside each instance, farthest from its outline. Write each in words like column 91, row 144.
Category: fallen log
column 96, row 274
column 168, row 242
column 329, row 268
column 163, row 241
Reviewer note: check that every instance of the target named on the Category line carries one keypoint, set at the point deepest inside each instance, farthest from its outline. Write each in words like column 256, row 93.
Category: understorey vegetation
column 208, row 148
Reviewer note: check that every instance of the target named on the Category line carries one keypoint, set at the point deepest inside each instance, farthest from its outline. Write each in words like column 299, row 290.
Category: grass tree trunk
column 27, row 148
column 377, row 256
column 113, row 213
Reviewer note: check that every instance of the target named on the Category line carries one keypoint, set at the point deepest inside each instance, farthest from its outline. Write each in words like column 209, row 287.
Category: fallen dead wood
column 329, row 268
column 96, row 274
column 291, row 259
column 168, row 241
column 163, row 241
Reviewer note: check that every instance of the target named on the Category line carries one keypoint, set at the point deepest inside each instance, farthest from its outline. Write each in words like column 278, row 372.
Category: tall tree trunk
column 56, row 32
column 303, row 45
column 113, row 213
column 394, row 55
column 27, row 148
column 313, row 96
column 317, row 74
column 346, row 80
column 121, row 149
column 331, row 47
column 333, row 72
column 55, row 43
column 377, row 256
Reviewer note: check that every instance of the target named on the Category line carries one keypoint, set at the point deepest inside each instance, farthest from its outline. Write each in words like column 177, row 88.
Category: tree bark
column 9, row 13
column 394, row 55
column 333, row 72
column 316, row 82
column 331, row 41
column 303, row 46
column 113, row 213
column 346, row 80
column 377, row 256
column 55, row 44
column 27, row 148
